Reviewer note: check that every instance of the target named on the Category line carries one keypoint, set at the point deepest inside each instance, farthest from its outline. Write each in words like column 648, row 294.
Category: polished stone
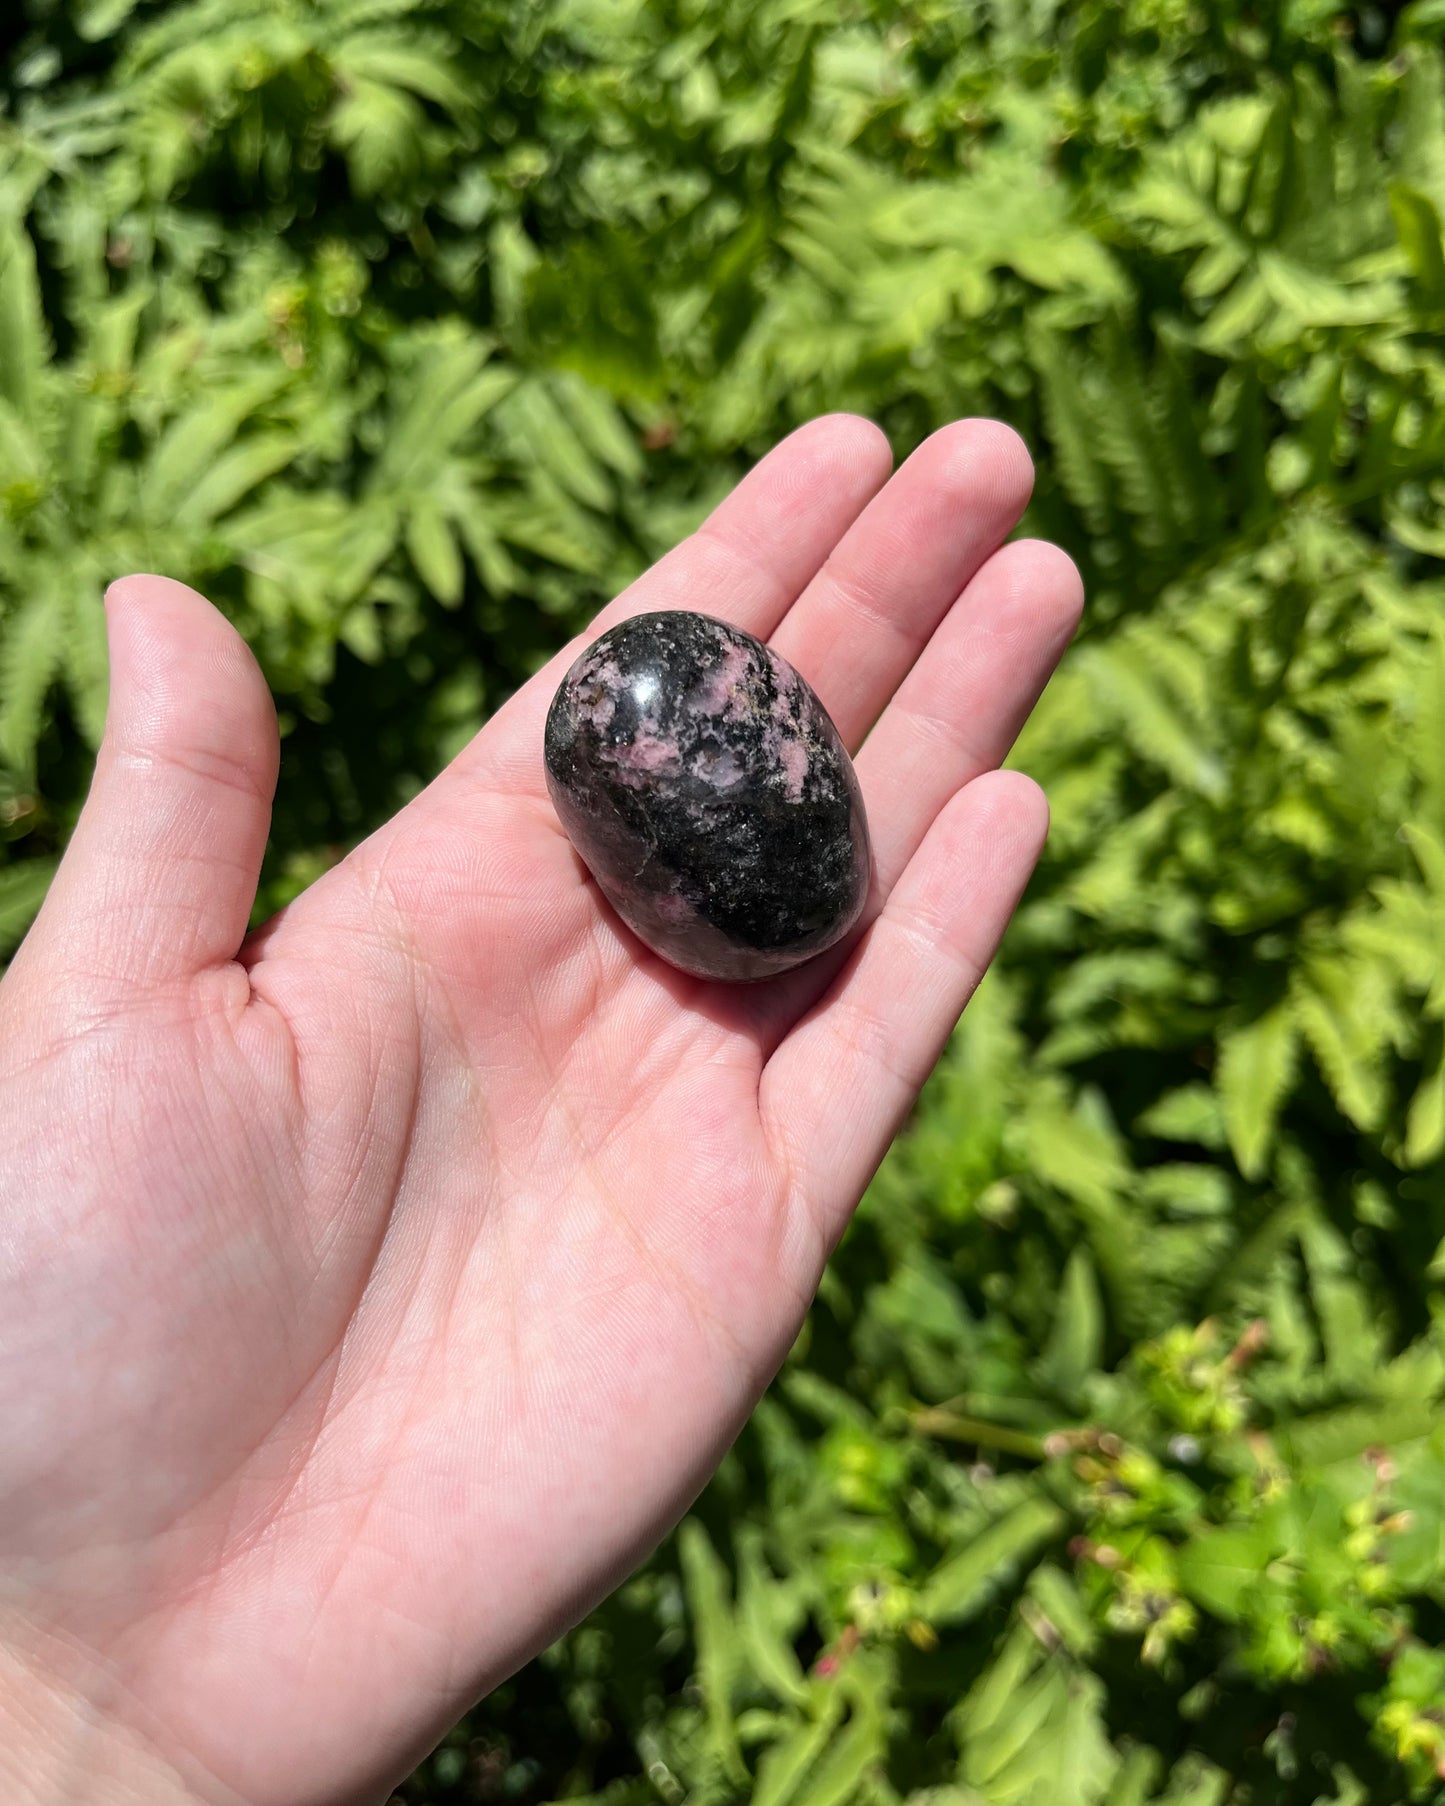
column 706, row 788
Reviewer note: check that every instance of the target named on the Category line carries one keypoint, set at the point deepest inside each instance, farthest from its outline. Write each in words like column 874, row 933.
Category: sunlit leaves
column 1257, row 1063
column 413, row 328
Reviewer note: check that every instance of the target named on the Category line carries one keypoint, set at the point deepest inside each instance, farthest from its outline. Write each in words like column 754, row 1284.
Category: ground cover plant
column 1111, row 1466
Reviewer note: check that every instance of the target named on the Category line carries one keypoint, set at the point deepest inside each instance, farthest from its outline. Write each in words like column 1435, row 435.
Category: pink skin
column 377, row 1288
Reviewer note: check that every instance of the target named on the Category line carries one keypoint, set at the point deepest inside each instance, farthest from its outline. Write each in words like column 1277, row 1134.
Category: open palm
column 375, row 1290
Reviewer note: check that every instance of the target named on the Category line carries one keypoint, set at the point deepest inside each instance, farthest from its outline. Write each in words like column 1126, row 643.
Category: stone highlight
column 708, row 793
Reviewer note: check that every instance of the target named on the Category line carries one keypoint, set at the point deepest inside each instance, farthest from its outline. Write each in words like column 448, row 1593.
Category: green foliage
column 1111, row 1466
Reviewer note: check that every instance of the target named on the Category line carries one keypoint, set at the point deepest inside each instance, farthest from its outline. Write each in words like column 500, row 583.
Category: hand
column 378, row 1288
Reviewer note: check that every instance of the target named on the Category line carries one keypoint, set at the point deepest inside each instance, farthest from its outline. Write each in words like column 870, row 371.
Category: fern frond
column 31, row 655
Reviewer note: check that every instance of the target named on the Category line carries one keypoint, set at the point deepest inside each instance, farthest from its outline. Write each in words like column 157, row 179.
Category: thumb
column 160, row 875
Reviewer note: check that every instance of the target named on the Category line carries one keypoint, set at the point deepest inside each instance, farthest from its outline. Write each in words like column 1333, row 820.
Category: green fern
column 411, row 329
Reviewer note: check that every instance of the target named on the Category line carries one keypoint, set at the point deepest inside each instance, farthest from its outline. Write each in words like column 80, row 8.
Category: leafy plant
column 1110, row 1466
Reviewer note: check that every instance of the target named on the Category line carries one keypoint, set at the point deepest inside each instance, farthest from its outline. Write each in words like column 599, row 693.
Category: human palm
column 376, row 1289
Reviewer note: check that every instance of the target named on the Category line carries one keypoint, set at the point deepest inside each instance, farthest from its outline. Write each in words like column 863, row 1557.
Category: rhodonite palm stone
column 708, row 793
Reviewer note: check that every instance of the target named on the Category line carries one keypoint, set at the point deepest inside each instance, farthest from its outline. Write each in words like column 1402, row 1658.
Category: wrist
column 60, row 1745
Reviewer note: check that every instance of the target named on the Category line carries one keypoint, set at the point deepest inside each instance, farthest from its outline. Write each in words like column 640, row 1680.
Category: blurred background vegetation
column 1111, row 1466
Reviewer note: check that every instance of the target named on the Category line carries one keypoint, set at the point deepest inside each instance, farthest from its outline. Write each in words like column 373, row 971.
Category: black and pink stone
column 706, row 788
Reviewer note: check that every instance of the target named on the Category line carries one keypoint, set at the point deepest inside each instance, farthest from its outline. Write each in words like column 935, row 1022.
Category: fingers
column 955, row 716
column 161, row 872
column 839, row 1086
column 960, row 709
column 746, row 564
column 895, row 573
